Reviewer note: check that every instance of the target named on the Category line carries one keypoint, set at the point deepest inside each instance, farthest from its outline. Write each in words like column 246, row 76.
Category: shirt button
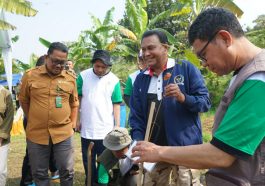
column 158, row 88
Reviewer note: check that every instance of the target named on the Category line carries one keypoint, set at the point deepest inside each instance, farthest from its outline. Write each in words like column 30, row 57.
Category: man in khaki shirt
column 49, row 100
column 6, row 121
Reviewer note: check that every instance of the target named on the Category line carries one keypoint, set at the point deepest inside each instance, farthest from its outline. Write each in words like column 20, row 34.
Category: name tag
column 58, row 102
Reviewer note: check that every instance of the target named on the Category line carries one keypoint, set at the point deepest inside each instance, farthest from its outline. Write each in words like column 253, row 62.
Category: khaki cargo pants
column 165, row 174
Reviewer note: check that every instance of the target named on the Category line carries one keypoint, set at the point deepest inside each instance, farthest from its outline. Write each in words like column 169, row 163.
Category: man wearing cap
column 117, row 143
column 100, row 94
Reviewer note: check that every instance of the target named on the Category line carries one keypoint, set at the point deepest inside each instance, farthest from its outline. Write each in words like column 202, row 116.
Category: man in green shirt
column 129, row 82
column 236, row 153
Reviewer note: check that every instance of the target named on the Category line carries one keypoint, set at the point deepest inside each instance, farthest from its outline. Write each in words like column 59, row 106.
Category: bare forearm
column 196, row 156
column 116, row 111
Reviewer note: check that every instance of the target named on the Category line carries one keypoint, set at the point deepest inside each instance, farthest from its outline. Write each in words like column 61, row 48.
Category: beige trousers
column 165, row 174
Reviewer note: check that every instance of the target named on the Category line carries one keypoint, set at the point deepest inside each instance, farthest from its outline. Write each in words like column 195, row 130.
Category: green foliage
column 21, row 7
column 2, row 68
column 259, row 22
column 216, row 86
column 206, row 137
column 15, row 39
column 45, row 42
column 17, row 66
column 102, row 35
column 228, row 4
column 123, row 40
column 6, row 26
column 168, row 14
column 257, row 34
column 122, row 69
column 136, row 22
column 257, row 37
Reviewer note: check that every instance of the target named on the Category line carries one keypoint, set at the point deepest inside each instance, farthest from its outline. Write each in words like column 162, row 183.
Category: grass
column 17, row 153
column 18, row 145
column 207, row 123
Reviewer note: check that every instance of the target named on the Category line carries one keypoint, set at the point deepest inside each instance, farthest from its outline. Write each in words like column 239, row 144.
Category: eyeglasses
column 56, row 62
column 200, row 56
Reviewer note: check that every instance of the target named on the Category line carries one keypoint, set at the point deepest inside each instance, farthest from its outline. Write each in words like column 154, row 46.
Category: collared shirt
column 39, row 90
column 156, row 84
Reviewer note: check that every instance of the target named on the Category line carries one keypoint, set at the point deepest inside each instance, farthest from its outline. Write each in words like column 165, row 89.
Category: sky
column 63, row 20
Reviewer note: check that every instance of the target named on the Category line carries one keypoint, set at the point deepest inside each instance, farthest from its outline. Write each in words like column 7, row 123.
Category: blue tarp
column 15, row 81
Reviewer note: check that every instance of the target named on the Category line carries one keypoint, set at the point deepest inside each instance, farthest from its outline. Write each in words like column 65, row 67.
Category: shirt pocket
column 39, row 89
column 65, row 91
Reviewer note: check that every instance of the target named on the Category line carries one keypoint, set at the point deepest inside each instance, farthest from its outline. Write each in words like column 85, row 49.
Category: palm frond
column 132, row 13
column 129, row 34
column 142, row 3
column 170, row 37
column 96, row 21
column 21, row 7
column 45, row 42
column 107, row 28
column 109, row 17
column 111, row 45
column 6, row 26
column 229, row 4
column 144, row 21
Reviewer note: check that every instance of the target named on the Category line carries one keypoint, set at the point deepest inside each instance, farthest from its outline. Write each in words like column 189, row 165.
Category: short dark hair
column 211, row 21
column 40, row 61
column 57, row 46
column 161, row 35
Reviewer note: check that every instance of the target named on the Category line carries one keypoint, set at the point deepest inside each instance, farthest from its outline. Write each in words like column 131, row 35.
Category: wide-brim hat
column 117, row 139
column 102, row 55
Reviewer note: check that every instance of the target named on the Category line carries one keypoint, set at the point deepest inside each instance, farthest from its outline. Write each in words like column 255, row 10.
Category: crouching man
column 117, row 143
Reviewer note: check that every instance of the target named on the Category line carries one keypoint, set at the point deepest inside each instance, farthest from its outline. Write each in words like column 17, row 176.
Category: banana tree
column 138, row 23
column 102, row 35
column 21, row 7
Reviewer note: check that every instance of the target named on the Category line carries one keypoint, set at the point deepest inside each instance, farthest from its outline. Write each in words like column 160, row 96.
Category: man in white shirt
column 100, row 94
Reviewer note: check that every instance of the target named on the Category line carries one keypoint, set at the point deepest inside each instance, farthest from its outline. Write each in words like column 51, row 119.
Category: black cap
column 102, row 55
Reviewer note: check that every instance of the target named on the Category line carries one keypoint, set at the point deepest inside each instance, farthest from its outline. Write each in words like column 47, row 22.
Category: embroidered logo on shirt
column 179, row 80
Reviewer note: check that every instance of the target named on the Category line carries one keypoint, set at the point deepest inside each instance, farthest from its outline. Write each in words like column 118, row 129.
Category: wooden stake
column 89, row 163
column 146, row 138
